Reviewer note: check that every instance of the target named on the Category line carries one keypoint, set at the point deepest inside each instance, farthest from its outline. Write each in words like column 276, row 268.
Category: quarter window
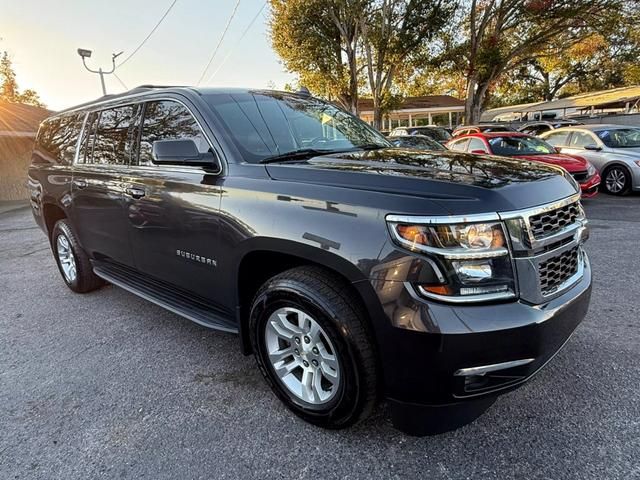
column 166, row 120
column 57, row 139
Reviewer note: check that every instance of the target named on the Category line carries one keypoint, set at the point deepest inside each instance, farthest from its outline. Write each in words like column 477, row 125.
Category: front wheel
column 616, row 180
column 313, row 347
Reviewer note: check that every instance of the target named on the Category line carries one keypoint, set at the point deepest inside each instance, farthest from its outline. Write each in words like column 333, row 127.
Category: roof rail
column 138, row 89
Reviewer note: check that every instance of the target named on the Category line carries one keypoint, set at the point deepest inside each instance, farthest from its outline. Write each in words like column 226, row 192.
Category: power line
column 237, row 42
column 215, row 51
column 148, row 36
column 119, row 80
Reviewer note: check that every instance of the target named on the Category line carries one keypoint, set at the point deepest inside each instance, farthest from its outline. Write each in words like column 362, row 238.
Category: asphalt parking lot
column 107, row 385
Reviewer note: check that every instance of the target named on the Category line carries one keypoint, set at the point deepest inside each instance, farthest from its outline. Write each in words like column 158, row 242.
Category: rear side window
column 168, row 120
column 459, row 146
column 581, row 139
column 57, row 139
column 114, row 134
column 557, row 139
column 476, row 144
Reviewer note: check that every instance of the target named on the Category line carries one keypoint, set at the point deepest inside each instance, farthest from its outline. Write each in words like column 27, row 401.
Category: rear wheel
column 616, row 180
column 72, row 260
column 312, row 346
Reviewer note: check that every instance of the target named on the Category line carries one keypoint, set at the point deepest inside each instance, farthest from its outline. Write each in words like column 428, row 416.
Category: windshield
column 509, row 146
column 272, row 124
column 620, row 137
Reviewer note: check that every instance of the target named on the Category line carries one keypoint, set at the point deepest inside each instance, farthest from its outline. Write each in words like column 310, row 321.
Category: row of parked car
column 599, row 156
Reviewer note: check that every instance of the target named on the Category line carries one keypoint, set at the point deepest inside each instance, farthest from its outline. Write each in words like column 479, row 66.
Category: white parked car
column 613, row 149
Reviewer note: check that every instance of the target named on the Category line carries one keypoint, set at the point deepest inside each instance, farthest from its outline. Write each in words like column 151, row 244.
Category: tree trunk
column 377, row 114
column 476, row 95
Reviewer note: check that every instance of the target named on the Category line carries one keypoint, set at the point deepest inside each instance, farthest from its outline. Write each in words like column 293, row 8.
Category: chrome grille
column 548, row 223
column 557, row 270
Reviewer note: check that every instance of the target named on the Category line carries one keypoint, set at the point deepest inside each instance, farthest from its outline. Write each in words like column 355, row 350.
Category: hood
column 459, row 183
column 569, row 163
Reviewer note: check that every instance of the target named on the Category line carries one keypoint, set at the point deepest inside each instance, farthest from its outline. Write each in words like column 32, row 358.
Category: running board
column 195, row 309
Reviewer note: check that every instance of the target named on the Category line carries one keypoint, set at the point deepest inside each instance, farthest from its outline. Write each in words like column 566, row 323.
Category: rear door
column 97, row 194
column 173, row 210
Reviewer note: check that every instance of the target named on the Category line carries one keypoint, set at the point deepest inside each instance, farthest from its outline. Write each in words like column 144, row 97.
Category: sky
column 42, row 38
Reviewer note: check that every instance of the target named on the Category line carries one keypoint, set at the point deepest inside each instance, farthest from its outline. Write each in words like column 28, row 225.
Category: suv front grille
column 557, row 270
column 548, row 223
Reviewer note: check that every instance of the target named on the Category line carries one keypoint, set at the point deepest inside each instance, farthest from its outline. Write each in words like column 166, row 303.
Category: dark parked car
column 481, row 128
column 439, row 134
column 538, row 128
column 417, row 142
column 352, row 270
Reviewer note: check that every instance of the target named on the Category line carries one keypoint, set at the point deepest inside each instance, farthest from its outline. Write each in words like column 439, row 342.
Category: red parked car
column 526, row 147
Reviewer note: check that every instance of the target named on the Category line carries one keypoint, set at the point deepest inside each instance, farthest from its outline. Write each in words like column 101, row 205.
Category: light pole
column 84, row 54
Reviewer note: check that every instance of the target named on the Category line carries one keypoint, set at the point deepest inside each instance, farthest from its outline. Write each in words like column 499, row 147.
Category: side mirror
column 557, row 149
column 479, row 152
column 181, row 151
column 593, row 147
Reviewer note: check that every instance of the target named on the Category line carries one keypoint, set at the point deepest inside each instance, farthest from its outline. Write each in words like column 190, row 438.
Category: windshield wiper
column 294, row 155
column 371, row 146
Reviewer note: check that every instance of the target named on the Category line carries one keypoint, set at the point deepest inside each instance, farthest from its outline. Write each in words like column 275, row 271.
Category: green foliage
column 9, row 86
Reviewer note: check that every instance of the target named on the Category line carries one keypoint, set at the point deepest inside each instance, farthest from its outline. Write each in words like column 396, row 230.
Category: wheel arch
column 51, row 214
column 269, row 257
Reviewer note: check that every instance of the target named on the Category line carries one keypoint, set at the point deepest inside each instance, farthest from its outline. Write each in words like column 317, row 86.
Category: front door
column 173, row 210
column 97, row 202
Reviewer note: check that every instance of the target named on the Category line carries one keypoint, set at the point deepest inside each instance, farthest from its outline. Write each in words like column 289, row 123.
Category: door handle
column 135, row 192
column 80, row 183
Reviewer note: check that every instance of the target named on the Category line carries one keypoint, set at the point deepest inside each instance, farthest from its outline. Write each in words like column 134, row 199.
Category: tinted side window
column 57, row 139
column 165, row 120
column 112, row 143
column 557, row 139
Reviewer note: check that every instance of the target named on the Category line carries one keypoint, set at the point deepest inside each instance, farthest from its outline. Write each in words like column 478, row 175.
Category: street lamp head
column 84, row 53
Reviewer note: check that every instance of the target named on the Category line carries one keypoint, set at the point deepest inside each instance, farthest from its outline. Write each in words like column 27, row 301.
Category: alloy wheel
column 66, row 258
column 615, row 180
column 302, row 356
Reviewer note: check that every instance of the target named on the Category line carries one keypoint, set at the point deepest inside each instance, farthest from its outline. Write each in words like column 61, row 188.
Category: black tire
column 335, row 307
column 84, row 279
column 611, row 180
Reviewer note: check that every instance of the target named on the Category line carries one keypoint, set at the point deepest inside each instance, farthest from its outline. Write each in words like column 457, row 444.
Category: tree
column 9, row 86
column 501, row 35
column 394, row 31
column 605, row 59
column 318, row 40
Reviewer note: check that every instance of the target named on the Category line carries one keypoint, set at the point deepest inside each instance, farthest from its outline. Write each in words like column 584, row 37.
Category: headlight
column 472, row 259
column 591, row 170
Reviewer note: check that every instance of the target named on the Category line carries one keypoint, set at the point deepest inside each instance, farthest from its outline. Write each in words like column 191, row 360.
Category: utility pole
column 84, row 54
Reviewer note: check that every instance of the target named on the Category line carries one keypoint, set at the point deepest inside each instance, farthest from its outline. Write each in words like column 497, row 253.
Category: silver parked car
column 613, row 149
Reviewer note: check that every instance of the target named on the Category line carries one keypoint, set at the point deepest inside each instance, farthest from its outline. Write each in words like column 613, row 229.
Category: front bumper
column 589, row 188
column 437, row 354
